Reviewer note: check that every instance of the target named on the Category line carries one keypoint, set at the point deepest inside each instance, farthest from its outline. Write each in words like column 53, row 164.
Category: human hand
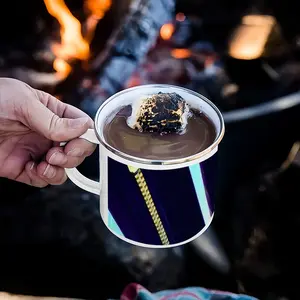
column 32, row 123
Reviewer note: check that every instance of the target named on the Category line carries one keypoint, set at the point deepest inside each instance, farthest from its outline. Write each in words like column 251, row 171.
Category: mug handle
column 76, row 177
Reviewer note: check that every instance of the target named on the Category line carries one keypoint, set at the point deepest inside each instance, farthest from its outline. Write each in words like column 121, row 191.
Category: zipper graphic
column 140, row 179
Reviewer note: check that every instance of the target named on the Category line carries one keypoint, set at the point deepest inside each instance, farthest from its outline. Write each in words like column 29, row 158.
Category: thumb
column 64, row 129
column 53, row 127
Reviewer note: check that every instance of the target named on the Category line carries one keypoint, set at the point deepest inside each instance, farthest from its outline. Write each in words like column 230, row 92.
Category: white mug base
column 135, row 243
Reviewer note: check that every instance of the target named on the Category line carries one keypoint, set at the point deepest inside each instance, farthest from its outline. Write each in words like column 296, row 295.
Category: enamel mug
column 153, row 203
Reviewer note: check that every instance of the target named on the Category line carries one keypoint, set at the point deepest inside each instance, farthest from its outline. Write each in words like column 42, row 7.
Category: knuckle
column 53, row 124
column 73, row 162
column 56, row 128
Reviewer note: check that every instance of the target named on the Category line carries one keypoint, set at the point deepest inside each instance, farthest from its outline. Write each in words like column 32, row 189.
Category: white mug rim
column 157, row 164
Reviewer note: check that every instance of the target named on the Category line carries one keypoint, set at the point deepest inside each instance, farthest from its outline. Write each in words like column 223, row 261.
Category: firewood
column 125, row 50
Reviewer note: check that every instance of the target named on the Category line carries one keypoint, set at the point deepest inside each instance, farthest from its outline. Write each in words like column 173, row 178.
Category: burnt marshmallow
column 162, row 113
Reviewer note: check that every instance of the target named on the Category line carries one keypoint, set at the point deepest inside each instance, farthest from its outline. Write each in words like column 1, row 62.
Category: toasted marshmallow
column 162, row 113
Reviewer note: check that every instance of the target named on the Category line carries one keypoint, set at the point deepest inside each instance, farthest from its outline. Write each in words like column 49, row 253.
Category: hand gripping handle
column 76, row 177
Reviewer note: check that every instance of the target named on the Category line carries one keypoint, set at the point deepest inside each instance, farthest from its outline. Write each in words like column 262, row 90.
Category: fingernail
column 49, row 172
column 57, row 158
column 77, row 123
column 32, row 166
column 76, row 152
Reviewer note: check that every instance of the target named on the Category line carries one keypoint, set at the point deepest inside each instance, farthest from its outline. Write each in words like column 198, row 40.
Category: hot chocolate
column 199, row 134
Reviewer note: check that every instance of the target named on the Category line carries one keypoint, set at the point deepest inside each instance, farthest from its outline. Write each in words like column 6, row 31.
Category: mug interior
column 127, row 97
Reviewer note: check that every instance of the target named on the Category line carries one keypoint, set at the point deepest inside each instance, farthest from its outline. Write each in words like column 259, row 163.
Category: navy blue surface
column 127, row 206
column 209, row 169
column 173, row 194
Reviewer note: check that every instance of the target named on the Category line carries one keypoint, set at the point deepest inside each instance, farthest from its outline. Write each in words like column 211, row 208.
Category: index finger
column 72, row 112
column 60, row 108
column 71, row 155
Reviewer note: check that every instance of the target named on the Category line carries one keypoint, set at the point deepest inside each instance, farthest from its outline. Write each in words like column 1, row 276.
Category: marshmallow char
column 161, row 113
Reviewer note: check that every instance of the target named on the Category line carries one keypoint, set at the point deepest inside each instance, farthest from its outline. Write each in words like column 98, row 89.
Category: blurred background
column 245, row 57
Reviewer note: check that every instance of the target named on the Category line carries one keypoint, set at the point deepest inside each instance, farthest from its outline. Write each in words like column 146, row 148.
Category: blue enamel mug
column 153, row 203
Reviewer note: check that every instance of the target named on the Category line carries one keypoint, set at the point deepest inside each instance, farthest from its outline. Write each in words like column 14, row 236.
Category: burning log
column 48, row 58
column 126, row 49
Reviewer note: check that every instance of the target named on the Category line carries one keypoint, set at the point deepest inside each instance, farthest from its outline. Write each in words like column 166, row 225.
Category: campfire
column 62, row 38
column 86, row 57
column 84, row 51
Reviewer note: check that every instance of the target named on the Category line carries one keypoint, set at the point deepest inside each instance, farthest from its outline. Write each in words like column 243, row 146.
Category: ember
column 166, row 63
column 167, row 31
column 180, row 53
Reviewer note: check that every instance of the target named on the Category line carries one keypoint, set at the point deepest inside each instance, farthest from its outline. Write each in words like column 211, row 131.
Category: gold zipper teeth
column 140, row 179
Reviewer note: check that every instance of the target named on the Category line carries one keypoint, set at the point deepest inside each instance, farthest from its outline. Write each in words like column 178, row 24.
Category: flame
column 167, row 31
column 96, row 10
column 181, row 53
column 97, row 7
column 73, row 45
column 62, row 68
column 251, row 37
